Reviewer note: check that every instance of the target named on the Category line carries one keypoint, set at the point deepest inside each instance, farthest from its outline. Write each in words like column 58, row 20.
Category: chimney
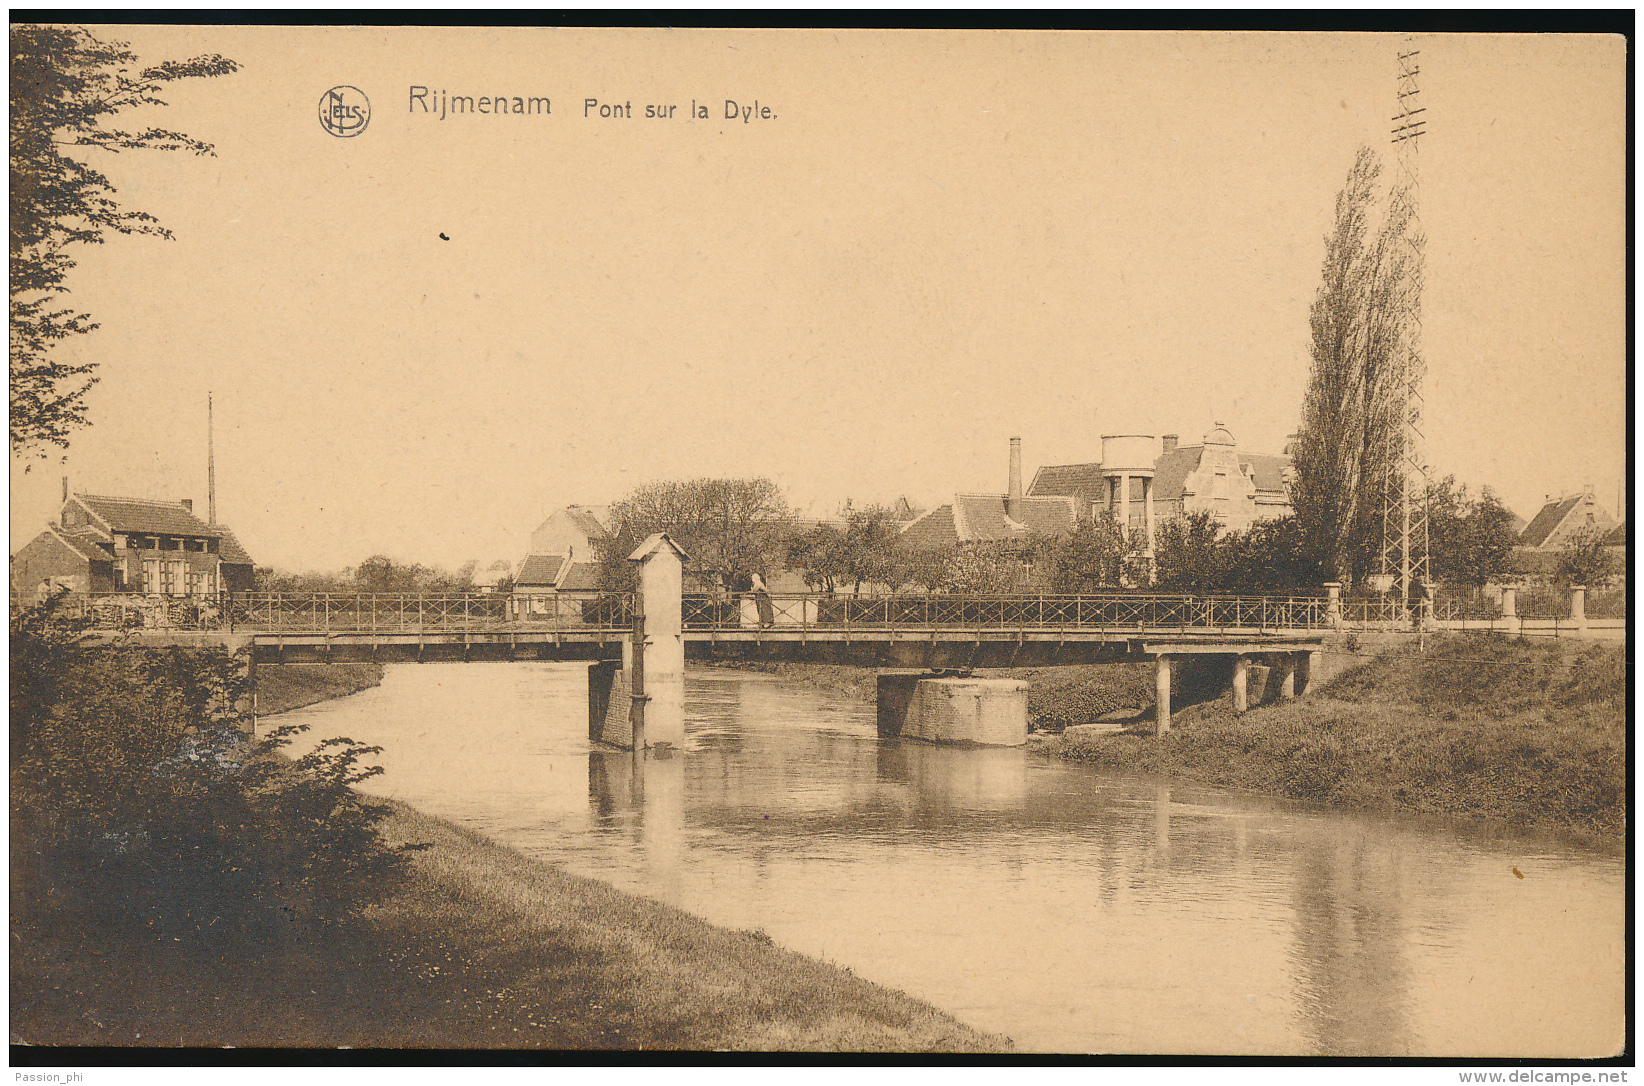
column 1013, row 500
column 1169, row 442
column 65, row 488
column 187, row 504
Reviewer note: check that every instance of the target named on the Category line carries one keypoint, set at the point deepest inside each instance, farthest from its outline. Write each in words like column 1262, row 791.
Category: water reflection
column 1070, row 909
column 1351, row 972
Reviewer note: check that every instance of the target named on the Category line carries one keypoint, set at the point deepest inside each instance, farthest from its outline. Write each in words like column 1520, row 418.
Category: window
column 211, row 546
column 169, row 544
column 151, row 575
column 193, row 544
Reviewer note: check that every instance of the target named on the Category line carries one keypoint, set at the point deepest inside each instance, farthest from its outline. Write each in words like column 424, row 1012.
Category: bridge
column 637, row 643
column 937, row 631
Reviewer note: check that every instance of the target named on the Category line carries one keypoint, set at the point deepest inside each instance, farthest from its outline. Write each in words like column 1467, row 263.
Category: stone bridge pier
column 639, row 701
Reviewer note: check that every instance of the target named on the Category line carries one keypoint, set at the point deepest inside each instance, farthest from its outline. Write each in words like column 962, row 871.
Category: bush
column 137, row 790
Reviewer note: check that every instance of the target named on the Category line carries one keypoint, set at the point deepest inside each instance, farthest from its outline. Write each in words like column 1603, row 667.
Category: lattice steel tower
column 1404, row 541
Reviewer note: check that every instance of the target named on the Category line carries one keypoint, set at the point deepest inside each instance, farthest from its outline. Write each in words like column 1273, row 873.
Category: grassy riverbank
column 1532, row 734
column 282, row 687
column 481, row 948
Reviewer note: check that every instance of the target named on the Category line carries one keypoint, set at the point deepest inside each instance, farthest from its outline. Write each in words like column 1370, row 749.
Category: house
column 974, row 518
column 101, row 544
column 1565, row 517
column 1141, row 481
column 1237, row 488
column 546, row 581
column 572, row 532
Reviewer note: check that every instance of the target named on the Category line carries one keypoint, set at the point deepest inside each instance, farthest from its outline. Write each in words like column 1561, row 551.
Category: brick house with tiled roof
column 1561, row 519
column 545, row 579
column 101, row 544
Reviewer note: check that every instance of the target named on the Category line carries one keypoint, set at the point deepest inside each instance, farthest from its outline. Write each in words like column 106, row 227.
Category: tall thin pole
column 211, row 464
column 1405, row 543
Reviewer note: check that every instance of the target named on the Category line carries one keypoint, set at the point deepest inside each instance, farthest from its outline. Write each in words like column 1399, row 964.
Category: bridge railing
column 386, row 613
column 1037, row 612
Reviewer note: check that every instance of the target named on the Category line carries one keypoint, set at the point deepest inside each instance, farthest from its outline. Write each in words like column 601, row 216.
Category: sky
column 423, row 339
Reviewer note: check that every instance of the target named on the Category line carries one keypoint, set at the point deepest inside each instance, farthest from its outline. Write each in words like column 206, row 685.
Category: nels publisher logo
column 345, row 111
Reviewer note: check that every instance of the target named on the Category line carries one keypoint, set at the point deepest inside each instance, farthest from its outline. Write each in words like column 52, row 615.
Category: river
column 1072, row 909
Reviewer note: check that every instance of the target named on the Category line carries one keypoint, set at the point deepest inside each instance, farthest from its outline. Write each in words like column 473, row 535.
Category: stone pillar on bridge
column 661, row 586
column 1332, row 605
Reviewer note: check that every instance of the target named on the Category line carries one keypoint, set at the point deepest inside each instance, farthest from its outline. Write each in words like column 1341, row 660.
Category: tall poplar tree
column 65, row 85
column 1363, row 322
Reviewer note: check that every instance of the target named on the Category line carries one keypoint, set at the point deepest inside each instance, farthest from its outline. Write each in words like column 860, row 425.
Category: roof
column 581, row 577
column 1617, row 536
column 539, row 569
column 655, row 542
column 934, row 529
column 84, row 544
column 1170, row 471
column 1547, row 521
column 590, row 518
column 1081, row 481
column 1267, row 471
column 141, row 515
column 982, row 516
column 228, row 547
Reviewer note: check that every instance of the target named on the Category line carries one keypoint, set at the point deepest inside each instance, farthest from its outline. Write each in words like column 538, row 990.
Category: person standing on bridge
column 762, row 601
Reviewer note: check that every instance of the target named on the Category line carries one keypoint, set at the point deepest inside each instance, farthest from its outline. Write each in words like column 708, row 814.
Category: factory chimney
column 211, row 465
column 1013, row 499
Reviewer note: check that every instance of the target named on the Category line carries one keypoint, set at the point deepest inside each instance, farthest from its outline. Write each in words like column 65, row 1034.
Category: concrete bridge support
column 1163, row 666
column 642, row 703
column 970, row 711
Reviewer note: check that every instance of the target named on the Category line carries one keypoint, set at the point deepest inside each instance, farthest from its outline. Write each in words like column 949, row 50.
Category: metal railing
column 391, row 613
column 1006, row 612
column 295, row 613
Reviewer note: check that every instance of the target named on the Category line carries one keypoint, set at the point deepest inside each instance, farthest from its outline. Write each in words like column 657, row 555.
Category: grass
column 483, row 948
column 282, row 687
column 1479, row 727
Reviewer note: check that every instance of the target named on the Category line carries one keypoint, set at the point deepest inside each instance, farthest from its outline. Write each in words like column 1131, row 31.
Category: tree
column 819, row 555
column 1585, row 561
column 986, row 568
column 730, row 528
column 1090, row 557
column 1186, row 553
column 65, row 84
column 1364, row 321
column 1472, row 538
column 1269, row 556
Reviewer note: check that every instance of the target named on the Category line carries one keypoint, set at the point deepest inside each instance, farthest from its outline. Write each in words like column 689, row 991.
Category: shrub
column 136, row 787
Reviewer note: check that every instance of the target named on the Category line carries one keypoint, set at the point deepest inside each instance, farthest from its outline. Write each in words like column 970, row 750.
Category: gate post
column 659, row 645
